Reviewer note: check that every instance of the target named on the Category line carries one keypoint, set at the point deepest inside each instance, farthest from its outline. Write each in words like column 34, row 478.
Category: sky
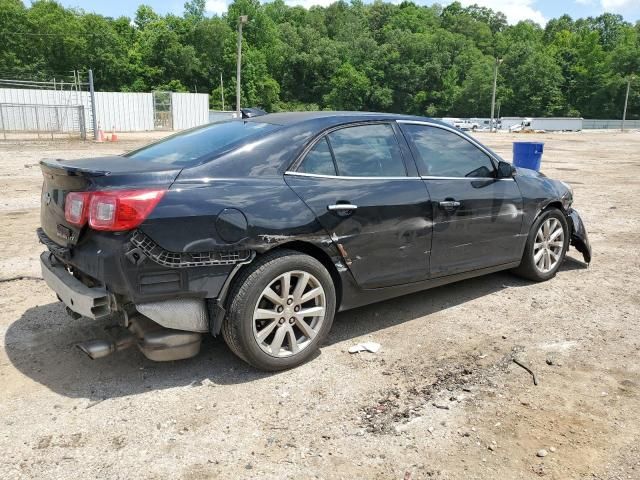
column 537, row 10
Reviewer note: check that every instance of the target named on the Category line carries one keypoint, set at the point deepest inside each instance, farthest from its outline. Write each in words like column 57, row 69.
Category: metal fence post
column 35, row 112
column 93, row 106
column 83, row 125
column 24, row 119
column 626, row 102
column 4, row 132
column 241, row 20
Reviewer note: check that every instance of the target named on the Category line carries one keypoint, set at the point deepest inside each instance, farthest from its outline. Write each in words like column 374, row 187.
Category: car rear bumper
column 155, row 341
column 132, row 274
column 100, row 277
column 86, row 301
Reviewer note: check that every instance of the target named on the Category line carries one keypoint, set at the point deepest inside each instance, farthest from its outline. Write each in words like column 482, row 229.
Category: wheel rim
column 547, row 248
column 289, row 314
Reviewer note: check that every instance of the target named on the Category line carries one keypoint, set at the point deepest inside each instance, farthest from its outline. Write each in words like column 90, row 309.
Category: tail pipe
column 103, row 348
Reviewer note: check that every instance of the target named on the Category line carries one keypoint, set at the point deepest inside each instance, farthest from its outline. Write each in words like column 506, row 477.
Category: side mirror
column 505, row 170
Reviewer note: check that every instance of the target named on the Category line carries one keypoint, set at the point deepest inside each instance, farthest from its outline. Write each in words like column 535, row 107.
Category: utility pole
column 241, row 21
column 626, row 101
column 493, row 97
column 94, row 120
column 76, row 80
column 222, row 90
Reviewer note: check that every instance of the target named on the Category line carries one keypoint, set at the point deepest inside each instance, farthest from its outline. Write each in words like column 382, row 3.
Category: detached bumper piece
column 579, row 237
column 62, row 252
column 88, row 302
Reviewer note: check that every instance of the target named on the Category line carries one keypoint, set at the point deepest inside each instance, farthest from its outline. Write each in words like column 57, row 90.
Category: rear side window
column 318, row 160
column 193, row 146
column 441, row 153
column 367, row 151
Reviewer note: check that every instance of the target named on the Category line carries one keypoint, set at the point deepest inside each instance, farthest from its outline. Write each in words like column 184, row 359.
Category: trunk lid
column 91, row 174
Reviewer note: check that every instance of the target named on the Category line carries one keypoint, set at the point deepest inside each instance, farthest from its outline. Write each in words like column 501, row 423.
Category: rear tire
column 266, row 325
column 546, row 247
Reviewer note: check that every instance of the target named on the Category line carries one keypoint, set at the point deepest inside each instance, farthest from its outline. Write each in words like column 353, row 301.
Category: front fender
column 538, row 192
column 579, row 237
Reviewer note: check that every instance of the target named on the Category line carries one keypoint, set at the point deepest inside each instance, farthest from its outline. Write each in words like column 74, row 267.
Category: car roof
column 331, row 118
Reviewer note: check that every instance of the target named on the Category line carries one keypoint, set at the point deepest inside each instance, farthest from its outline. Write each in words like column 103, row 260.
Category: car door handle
column 449, row 204
column 341, row 207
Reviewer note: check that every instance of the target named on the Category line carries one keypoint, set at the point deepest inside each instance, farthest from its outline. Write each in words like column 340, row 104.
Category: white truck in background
column 523, row 126
column 462, row 124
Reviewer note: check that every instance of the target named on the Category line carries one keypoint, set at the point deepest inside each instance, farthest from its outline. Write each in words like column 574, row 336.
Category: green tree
column 409, row 58
column 349, row 89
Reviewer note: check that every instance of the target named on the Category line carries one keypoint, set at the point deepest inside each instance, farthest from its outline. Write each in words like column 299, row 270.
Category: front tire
column 281, row 309
column 546, row 247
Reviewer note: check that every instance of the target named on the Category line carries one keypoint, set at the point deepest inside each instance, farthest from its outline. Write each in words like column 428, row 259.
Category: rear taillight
column 76, row 208
column 120, row 210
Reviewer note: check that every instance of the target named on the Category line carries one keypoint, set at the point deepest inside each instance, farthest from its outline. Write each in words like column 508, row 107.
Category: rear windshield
column 196, row 145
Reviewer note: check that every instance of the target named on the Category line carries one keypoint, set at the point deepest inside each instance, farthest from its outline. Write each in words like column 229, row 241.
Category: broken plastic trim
column 57, row 250
column 186, row 259
column 579, row 237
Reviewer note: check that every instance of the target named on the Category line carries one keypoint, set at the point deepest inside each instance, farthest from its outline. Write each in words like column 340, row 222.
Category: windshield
column 193, row 146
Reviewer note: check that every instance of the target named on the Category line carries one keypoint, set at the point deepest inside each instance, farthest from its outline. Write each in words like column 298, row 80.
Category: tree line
column 425, row 60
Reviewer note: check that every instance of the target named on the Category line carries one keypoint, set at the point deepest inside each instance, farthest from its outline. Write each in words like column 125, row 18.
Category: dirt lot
column 441, row 399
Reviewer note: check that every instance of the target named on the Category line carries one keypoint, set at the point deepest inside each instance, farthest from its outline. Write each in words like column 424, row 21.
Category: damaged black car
column 261, row 229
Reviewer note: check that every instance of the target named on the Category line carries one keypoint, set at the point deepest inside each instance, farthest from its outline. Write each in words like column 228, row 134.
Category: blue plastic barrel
column 528, row 155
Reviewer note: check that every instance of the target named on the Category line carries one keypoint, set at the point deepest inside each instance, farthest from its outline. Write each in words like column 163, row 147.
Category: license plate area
column 64, row 233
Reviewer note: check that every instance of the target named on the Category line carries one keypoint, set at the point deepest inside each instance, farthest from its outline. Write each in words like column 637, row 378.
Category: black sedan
column 262, row 229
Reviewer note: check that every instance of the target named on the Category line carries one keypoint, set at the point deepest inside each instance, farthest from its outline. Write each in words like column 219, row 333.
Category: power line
column 34, row 75
column 35, row 82
column 11, row 84
column 35, row 34
column 54, row 84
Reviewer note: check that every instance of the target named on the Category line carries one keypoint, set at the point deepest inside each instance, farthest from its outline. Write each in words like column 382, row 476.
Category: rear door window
column 319, row 160
column 367, row 151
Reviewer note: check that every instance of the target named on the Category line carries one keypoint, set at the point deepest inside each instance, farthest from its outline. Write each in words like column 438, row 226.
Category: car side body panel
column 485, row 230
column 262, row 212
column 354, row 296
column 236, row 215
column 386, row 240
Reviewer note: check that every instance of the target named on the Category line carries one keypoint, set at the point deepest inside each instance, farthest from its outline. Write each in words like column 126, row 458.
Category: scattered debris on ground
column 371, row 347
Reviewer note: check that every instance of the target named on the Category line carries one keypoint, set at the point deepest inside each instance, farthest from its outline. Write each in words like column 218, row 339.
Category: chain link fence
column 24, row 121
column 162, row 111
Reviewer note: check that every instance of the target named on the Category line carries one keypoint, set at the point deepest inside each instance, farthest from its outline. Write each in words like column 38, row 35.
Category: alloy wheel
column 289, row 313
column 548, row 245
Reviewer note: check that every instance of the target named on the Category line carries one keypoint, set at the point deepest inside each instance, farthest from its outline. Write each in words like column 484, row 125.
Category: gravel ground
column 441, row 399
